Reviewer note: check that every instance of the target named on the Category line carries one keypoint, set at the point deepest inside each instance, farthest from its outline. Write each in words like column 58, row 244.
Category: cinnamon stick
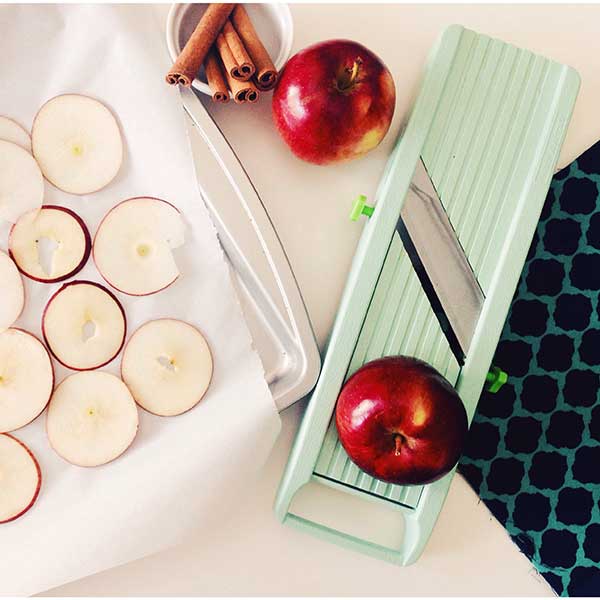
column 244, row 68
column 243, row 91
column 252, row 93
column 266, row 74
column 195, row 50
column 227, row 58
column 215, row 77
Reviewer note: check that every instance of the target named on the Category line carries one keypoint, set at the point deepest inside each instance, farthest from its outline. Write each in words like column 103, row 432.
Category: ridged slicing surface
column 399, row 321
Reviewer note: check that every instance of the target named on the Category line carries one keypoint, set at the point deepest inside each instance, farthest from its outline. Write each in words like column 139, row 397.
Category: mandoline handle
column 411, row 545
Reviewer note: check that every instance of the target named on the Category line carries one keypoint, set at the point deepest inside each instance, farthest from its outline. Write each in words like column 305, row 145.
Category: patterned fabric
column 534, row 448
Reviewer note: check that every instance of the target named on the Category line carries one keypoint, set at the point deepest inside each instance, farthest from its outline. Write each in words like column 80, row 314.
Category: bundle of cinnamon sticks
column 234, row 58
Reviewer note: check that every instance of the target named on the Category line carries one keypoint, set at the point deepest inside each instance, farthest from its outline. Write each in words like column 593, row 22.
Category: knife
column 440, row 262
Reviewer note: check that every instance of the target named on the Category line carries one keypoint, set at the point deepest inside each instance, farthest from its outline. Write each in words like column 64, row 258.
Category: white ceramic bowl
column 273, row 23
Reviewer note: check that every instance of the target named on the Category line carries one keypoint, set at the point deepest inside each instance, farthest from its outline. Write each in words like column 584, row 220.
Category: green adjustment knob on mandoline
column 495, row 379
column 360, row 207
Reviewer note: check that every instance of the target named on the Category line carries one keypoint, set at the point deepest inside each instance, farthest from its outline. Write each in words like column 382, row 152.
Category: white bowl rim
column 284, row 52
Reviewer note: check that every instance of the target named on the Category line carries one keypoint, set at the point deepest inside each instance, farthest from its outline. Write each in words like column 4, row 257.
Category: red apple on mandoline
column 401, row 421
column 333, row 102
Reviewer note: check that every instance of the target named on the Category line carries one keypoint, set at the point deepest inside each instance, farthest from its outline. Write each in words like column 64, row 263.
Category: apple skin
column 401, row 421
column 323, row 116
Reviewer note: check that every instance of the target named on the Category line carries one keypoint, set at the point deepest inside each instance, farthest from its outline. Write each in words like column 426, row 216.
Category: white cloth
column 181, row 472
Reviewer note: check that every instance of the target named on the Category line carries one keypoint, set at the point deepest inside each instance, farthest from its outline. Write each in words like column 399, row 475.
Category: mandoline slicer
column 488, row 125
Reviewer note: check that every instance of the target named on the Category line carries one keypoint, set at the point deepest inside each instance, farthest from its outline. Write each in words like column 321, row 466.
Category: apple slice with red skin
column 21, row 478
column 77, row 143
column 11, row 131
column 92, row 418
column 61, row 226
column 168, row 366
column 26, row 378
column 84, row 325
column 133, row 245
column 401, row 421
column 12, row 292
column 21, row 182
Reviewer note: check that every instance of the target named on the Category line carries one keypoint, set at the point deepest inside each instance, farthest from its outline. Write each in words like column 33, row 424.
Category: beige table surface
column 251, row 554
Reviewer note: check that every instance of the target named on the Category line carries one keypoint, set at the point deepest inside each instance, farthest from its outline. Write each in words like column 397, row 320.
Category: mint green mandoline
column 489, row 122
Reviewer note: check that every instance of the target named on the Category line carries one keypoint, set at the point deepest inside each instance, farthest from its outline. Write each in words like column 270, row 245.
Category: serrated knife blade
column 440, row 262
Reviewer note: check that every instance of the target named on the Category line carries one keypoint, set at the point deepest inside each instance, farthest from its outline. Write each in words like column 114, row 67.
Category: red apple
column 401, row 421
column 334, row 101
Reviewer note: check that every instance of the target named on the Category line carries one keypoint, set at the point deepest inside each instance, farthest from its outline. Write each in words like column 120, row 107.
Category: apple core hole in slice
column 50, row 245
column 46, row 249
column 167, row 363
column 88, row 330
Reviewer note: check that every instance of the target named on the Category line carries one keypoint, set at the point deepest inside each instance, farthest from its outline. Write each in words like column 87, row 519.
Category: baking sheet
column 180, row 472
column 271, row 301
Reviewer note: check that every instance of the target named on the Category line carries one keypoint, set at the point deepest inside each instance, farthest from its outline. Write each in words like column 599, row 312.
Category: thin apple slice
column 133, row 245
column 168, row 366
column 11, row 131
column 92, row 418
column 58, row 225
column 21, row 478
column 77, row 143
column 12, row 293
column 26, row 378
column 21, row 182
column 84, row 325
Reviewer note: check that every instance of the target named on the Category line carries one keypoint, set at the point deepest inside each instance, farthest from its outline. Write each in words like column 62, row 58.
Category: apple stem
column 399, row 440
column 347, row 80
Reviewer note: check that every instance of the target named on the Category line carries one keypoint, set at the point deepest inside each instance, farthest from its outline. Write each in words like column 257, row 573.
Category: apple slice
column 133, row 245
column 92, row 418
column 21, row 182
column 26, row 379
column 77, row 143
column 12, row 293
column 168, row 366
column 84, row 325
column 11, row 131
column 21, row 478
column 58, row 225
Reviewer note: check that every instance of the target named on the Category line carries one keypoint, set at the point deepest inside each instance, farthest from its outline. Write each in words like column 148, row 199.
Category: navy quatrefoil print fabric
column 534, row 449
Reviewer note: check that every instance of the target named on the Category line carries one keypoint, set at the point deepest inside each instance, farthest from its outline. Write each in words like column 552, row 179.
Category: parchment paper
column 183, row 472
